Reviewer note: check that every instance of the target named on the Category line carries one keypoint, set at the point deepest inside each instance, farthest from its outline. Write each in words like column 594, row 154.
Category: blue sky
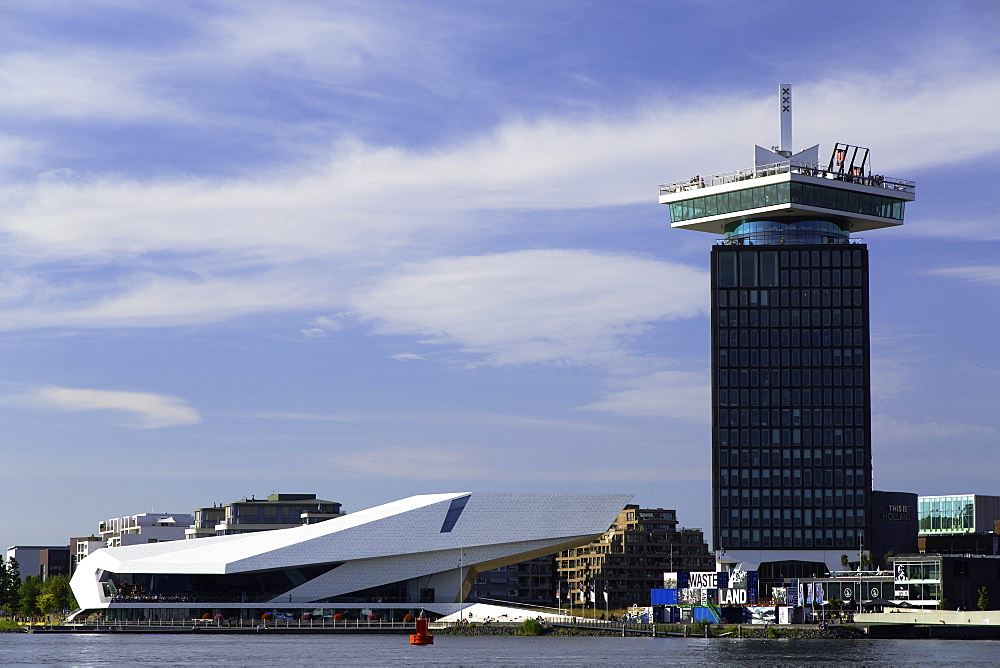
column 370, row 250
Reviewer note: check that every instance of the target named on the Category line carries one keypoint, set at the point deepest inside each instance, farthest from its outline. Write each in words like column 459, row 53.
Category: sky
column 374, row 249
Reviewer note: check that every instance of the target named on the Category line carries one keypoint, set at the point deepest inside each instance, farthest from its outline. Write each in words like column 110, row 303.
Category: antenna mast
column 785, row 94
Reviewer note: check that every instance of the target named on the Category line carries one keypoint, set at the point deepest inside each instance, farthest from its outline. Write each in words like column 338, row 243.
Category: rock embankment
column 798, row 632
column 511, row 630
column 747, row 631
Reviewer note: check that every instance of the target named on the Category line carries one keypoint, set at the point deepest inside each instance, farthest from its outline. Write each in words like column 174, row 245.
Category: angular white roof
column 489, row 527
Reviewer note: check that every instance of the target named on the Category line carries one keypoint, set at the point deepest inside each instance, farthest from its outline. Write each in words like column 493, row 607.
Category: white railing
column 698, row 182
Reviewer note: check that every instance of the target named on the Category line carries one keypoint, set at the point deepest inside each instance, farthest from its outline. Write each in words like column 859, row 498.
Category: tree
column 886, row 557
column 844, row 561
column 3, row 583
column 10, row 580
column 28, row 594
column 62, row 594
column 942, row 601
column 46, row 603
column 984, row 598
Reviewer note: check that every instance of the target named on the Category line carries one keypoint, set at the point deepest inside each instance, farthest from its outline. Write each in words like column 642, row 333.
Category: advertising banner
column 761, row 615
column 689, row 596
column 733, row 597
column 738, row 579
column 784, row 615
column 704, row 580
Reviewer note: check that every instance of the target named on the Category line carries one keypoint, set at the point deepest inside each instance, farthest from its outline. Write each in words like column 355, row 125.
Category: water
column 369, row 650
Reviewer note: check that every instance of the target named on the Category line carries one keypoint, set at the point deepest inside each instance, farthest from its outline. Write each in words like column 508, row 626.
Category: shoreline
column 674, row 631
column 731, row 632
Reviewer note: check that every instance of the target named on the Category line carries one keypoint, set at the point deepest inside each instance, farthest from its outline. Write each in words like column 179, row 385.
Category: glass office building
column 791, row 400
column 791, row 404
column 957, row 514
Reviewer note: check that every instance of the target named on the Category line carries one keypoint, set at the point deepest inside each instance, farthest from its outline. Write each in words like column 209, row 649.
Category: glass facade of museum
column 791, row 399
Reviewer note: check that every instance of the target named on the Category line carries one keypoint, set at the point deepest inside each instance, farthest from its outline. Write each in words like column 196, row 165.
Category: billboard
column 762, row 615
column 707, row 580
column 695, row 596
column 733, row 597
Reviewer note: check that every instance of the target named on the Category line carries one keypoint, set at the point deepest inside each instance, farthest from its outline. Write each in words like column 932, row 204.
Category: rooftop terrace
column 787, row 167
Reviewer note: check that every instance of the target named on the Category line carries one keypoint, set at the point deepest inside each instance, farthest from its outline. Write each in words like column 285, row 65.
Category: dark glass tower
column 791, row 399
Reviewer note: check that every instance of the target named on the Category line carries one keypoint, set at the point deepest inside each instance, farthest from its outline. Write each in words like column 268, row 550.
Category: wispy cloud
column 889, row 430
column 968, row 226
column 533, row 306
column 148, row 411
column 891, row 375
column 107, row 251
column 682, row 395
column 987, row 275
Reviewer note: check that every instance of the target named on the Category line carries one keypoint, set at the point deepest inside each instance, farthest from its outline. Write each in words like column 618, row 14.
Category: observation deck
column 787, row 191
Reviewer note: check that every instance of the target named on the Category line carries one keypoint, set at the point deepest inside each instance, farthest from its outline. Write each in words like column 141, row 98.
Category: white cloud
column 911, row 123
column 890, row 376
column 84, row 84
column 148, row 410
column 534, row 306
column 324, row 325
column 149, row 300
column 980, row 228
column 17, row 151
column 988, row 275
column 199, row 75
column 341, row 205
column 683, row 395
column 888, row 430
column 105, row 251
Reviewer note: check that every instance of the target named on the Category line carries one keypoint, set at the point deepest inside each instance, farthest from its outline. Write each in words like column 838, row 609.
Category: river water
column 394, row 650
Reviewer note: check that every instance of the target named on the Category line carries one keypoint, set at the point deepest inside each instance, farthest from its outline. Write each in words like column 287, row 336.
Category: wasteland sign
column 733, row 597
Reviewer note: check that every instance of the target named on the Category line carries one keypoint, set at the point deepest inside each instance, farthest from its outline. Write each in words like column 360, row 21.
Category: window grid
column 791, row 417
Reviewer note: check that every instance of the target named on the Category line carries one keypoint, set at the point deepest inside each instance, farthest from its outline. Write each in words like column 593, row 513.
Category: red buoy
column 421, row 637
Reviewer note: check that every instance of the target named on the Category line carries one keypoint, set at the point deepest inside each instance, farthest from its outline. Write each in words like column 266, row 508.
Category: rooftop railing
column 874, row 180
column 772, row 239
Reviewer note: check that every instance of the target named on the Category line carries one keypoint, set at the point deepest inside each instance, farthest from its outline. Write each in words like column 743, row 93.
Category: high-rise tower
column 791, row 400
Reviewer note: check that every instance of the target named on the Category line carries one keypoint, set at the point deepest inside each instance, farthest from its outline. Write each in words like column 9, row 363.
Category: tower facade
column 791, row 392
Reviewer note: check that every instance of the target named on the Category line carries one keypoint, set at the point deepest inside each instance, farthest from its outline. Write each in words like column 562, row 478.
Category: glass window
column 770, row 195
column 727, row 269
column 769, row 269
column 748, row 270
column 677, row 212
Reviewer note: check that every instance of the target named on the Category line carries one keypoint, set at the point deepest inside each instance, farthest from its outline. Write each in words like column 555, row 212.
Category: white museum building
column 416, row 554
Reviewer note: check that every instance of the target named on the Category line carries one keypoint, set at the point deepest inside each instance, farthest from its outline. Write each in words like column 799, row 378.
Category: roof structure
column 444, row 538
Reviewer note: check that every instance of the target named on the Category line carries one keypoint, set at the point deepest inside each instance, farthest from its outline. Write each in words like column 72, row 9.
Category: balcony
column 698, row 182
